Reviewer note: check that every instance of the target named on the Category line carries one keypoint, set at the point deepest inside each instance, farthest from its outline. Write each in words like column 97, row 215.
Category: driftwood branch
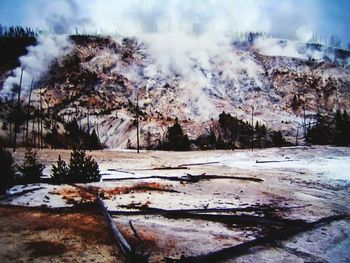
column 179, row 167
column 130, row 254
column 159, row 211
column 275, row 161
column 118, row 236
column 135, row 232
column 169, row 168
column 120, row 171
column 220, row 216
column 238, row 219
column 238, row 250
column 6, row 197
column 196, row 164
column 187, row 178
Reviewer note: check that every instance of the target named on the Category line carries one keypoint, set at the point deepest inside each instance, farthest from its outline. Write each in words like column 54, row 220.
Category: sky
column 288, row 18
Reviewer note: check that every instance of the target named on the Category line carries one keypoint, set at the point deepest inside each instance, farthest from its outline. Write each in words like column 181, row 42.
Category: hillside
column 97, row 81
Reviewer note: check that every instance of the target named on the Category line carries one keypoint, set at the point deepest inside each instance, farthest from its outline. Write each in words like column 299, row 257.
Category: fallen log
column 196, row 164
column 170, row 168
column 158, row 211
column 205, row 214
column 275, row 161
column 179, row 167
column 135, row 232
column 6, row 197
column 196, row 178
column 187, row 178
column 238, row 250
column 236, row 219
column 120, row 171
column 130, row 254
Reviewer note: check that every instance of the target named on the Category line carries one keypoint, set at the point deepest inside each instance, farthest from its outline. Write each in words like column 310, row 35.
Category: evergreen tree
column 60, row 171
column 176, row 139
column 322, row 133
column 94, row 142
column 74, row 132
column 31, row 169
column 342, row 129
column 278, row 139
column 82, row 168
column 7, row 170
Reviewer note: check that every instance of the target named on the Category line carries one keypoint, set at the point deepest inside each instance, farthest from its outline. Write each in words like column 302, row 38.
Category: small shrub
column 7, row 170
column 81, row 169
column 31, row 169
column 60, row 171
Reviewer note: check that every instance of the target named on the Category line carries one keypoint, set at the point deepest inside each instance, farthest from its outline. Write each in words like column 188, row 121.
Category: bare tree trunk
column 38, row 128
column 137, row 124
column 29, row 101
column 41, row 120
column 88, row 119
column 12, row 99
column 252, row 139
column 16, row 129
column 33, row 134
column 304, row 120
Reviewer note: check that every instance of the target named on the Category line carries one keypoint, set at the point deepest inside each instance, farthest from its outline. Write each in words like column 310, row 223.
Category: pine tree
column 176, row 139
column 7, row 170
column 59, row 171
column 82, row 168
column 31, row 169
column 94, row 142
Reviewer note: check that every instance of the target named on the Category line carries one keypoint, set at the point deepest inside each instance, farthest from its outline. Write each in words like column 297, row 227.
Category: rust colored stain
column 139, row 187
column 91, row 228
column 74, row 195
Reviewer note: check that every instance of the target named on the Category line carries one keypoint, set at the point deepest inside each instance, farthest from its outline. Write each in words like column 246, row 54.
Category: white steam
column 201, row 63
column 278, row 47
column 38, row 60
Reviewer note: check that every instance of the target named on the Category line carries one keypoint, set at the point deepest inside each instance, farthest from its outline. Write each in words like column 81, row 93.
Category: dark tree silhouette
column 81, row 169
column 176, row 140
column 31, row 169
column 7, row 176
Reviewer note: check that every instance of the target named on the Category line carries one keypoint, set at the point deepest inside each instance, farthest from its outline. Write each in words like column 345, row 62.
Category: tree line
column 330, row 130
column 17, row 32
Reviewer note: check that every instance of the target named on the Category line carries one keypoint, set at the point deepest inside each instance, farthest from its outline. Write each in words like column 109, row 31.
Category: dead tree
column 137, row 124
column 29, row 101
column 129, row 252
column 41, row 120
column 17, row 121
column 252, row 138
column 243, row 248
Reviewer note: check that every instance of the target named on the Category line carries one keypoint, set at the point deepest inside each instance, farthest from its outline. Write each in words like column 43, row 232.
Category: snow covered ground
column 315, row 178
